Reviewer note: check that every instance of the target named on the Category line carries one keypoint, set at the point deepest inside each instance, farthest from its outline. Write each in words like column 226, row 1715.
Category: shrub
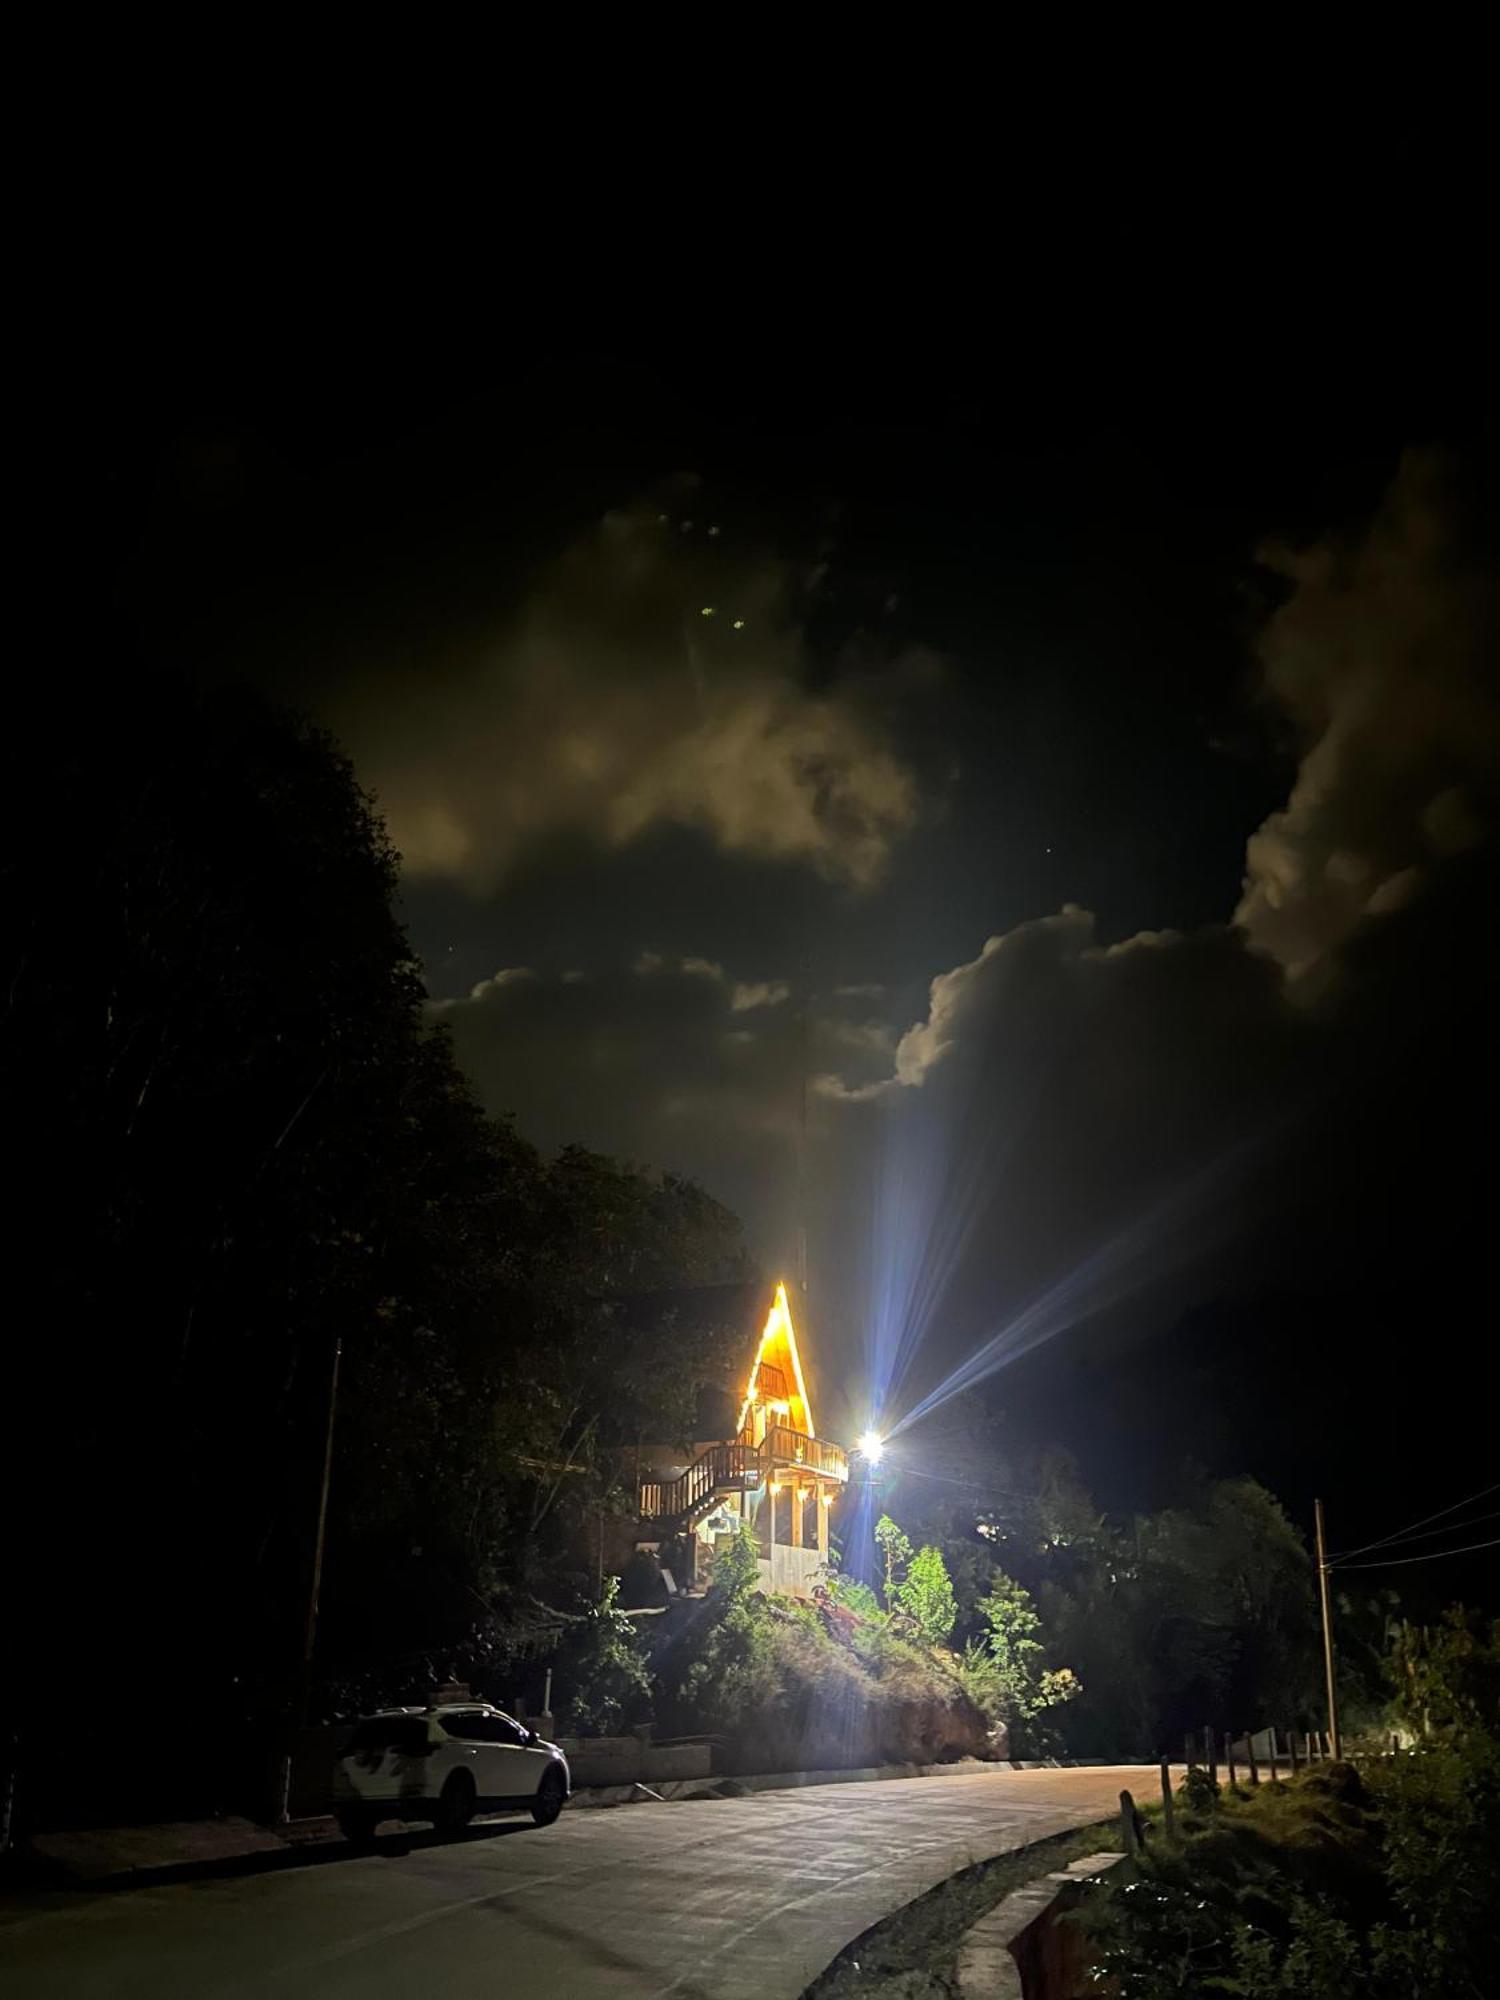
column 1440, row 1809
column 926, row 1596
column 895, row 1549
column 1447, row 1676
column 641, row 1583
column 1200, row 1792
column 603, row 1664
column 721, row 1674
column 736, row 1566
column 981, row 1680
column 852, row 1595
column 1025, row 1688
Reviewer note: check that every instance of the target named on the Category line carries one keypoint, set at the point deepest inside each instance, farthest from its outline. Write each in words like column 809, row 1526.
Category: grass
column 1378, row 1882
column 911, row 1955
column 1316, row 1834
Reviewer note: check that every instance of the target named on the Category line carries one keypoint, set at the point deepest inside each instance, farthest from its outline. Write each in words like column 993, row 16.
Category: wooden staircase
column 674, row 1506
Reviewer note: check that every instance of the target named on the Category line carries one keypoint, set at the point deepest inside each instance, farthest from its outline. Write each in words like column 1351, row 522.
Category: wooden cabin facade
column 775, row 1473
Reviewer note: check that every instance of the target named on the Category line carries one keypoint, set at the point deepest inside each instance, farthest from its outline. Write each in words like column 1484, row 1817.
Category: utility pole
column 315, row 1585
column 1333, row 1704
column 310, row 1629
column 802, row 1134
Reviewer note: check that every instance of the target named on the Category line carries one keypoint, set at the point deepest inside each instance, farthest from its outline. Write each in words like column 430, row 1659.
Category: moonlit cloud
column 654, row 677
column 748, row 995
column 508, row 975
column 1383, row 659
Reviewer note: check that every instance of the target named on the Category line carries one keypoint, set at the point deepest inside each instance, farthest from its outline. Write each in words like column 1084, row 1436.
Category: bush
column 895, row 1552
column 926, row 1596
column 605, row 1670
column 852, row 1595
column 1020, row 1687
column 641, row 1584
column 1447, row 1676
column 736, row 1567
column 1440, row 1809
column 1200, row 1791
column 981, row 1680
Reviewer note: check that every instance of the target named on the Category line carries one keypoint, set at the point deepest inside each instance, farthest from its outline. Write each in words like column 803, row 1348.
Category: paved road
column 715, row 1899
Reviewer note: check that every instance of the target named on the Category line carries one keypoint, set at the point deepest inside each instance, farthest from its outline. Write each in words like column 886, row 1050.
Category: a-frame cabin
column 775, row 1473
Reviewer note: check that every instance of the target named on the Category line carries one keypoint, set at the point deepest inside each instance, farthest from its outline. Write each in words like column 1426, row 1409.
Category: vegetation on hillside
column 840, row 1681
column 794, row 1685
column 1377, row 1879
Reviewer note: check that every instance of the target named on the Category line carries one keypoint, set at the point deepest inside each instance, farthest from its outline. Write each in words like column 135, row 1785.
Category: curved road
column 713, row 1899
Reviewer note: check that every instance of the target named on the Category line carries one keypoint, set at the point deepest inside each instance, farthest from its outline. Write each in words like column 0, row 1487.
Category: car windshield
column 405, row 1734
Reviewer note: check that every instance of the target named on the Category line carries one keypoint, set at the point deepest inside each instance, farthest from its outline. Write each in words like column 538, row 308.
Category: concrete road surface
column 714, row 1899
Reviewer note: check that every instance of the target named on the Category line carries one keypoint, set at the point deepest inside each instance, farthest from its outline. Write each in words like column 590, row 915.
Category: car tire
column 357, row 1824
column 551, row 1797
column 456, row 1801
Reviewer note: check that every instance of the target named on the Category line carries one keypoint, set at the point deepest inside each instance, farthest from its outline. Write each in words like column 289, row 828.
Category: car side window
column 477, row 1727
column 485, row 1729
column 404, row 1735
column 468, row 1728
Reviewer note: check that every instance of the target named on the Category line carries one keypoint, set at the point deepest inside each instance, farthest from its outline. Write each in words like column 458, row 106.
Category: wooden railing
column 784, row 1446
column 723, row 1467
column 736, row 1468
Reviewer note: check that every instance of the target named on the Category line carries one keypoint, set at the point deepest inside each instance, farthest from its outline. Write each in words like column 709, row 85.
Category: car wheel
column 357, row 1824
column 551, row 1797
column 455, row 1806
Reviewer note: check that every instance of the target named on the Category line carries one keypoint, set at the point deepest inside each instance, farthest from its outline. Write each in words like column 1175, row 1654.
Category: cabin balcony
column 784, row 1449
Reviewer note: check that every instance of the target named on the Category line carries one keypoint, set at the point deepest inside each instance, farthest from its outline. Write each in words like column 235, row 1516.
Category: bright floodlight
column 872, row 1444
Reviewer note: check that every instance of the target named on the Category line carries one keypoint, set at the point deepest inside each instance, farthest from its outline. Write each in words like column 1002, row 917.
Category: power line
column 1436, row 1555
column 1453, row 1528
column 1402, row 1534
column 974, row 1486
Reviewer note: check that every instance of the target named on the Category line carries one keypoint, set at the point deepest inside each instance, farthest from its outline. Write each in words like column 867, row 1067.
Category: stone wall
column 626, row 1760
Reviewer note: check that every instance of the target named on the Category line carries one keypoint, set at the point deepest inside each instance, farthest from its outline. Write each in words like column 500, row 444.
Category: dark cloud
column 1073, row 1127
column 669, row 1060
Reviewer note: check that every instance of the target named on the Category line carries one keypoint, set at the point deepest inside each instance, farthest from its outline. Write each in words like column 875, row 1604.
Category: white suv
column 444, row 1764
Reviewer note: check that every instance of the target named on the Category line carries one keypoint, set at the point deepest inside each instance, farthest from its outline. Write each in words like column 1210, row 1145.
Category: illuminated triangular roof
column 778, row 1349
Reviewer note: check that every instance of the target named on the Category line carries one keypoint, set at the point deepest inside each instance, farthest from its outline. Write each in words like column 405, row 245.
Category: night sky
column 1076, row 814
